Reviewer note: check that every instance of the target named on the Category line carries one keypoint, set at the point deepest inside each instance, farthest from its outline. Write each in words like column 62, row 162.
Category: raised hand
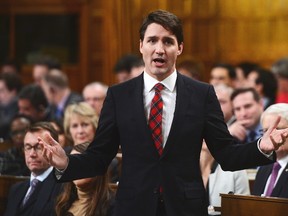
column 273, row 138
column 53, row 152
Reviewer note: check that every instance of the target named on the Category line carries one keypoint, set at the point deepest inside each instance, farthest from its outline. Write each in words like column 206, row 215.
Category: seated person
column 80, row 124
column 272, row 180
column 218, row 181
column 12, row 162
column 37, row 195
column 89, row 196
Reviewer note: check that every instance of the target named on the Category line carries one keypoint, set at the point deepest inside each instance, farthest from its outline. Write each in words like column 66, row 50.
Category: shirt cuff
column 270, row 155
column 60, row 172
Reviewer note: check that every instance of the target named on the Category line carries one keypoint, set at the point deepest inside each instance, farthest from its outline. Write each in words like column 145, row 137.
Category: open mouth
column 159, row 60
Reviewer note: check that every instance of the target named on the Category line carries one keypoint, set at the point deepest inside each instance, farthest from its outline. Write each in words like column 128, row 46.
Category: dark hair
column 280, row 68
column 231, row 70
column 167, row 20
column 43, row 126
column 49, row 62
column 194, row 67
column 126, row 62
column 35, row 95
column 12, row 81
column 247, row 67
column 269, row 82
column 239, row 91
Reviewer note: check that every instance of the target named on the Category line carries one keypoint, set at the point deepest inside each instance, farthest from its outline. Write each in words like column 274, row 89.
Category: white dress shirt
column 169, row 100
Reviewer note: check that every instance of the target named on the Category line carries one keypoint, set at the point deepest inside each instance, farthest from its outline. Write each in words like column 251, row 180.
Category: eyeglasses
column 37, row 148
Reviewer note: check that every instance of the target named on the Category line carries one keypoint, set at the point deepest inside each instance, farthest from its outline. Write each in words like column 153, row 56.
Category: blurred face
column 47, row 90
column 5, row 94
column 136, row 71
column 122, row 76
column 220, row 76
column 82, row 183
column 39, row 71
column 266, row 122
column 33, row 153
column 94, row 96
column 226, row 104
column 18, row 130
column 81, row 129
column 26, row 108
column 160, row 50
column 247, row 110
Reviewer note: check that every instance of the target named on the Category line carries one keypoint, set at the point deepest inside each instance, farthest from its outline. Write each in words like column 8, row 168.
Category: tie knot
column 34, row 182
column 158, row 87
column 276, row 166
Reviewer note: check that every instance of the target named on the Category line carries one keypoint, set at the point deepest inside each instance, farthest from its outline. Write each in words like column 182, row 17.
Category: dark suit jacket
column 42, row 201
column 281, row 187
column 197, row 115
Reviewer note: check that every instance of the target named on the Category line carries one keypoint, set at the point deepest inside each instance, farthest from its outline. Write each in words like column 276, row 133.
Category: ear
column 140, row 46
column 180, row 49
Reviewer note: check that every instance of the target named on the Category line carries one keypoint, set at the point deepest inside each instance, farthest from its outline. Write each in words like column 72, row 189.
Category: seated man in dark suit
column 272, row 180
column 39, row 197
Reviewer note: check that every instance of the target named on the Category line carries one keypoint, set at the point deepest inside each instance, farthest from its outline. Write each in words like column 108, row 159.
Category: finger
column 275, row 144
column 273, row 125
column 50, row 139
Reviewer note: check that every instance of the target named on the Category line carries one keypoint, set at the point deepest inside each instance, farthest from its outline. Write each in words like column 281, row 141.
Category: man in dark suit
column 22, row 199
column 165, row 180
column 265, row 174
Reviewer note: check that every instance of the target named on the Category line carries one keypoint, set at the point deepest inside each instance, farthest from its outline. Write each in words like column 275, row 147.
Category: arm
column 99, row 154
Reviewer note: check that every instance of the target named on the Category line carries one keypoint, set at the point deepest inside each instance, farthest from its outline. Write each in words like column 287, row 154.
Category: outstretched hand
column 273, row 138
column 53, row 152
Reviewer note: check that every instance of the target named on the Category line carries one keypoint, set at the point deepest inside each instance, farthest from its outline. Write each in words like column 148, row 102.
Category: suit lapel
column 282, row 181
column 263, row 177
column 182, row 94
column 21, row 193
column 43, row 194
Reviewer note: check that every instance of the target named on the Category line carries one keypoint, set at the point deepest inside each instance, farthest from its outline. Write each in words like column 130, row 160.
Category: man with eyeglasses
column 37, row 195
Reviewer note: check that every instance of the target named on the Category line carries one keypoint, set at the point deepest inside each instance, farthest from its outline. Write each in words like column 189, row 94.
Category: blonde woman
column 80, row 122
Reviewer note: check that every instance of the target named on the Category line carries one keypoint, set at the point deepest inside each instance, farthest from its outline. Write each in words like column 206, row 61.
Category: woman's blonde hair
column 82, row 109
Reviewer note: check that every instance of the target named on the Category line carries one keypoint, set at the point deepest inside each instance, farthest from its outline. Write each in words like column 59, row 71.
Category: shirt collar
column 169, row 82
column 43, row 176
column 283, row 161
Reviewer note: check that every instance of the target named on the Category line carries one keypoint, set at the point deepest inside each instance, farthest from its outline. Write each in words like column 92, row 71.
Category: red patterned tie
column 155, row 118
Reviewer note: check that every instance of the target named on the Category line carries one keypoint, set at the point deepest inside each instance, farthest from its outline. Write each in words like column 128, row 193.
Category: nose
column 32, row 152
column 160, row 48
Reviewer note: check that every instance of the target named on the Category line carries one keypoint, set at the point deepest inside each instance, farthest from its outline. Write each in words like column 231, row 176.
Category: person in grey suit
column 165, row 180
column 263, row 177
column 41, row 200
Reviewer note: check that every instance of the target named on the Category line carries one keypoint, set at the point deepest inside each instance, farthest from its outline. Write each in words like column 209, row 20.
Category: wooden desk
column 241, row 205
column 5, row 183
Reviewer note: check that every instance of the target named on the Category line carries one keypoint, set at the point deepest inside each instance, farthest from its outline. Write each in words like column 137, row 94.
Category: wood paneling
column 214, row 31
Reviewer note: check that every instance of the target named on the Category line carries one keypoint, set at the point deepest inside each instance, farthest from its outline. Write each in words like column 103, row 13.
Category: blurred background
column 88, row 36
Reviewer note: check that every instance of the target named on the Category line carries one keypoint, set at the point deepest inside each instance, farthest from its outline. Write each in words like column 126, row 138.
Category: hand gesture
column 273, row 138
column 53, row 152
